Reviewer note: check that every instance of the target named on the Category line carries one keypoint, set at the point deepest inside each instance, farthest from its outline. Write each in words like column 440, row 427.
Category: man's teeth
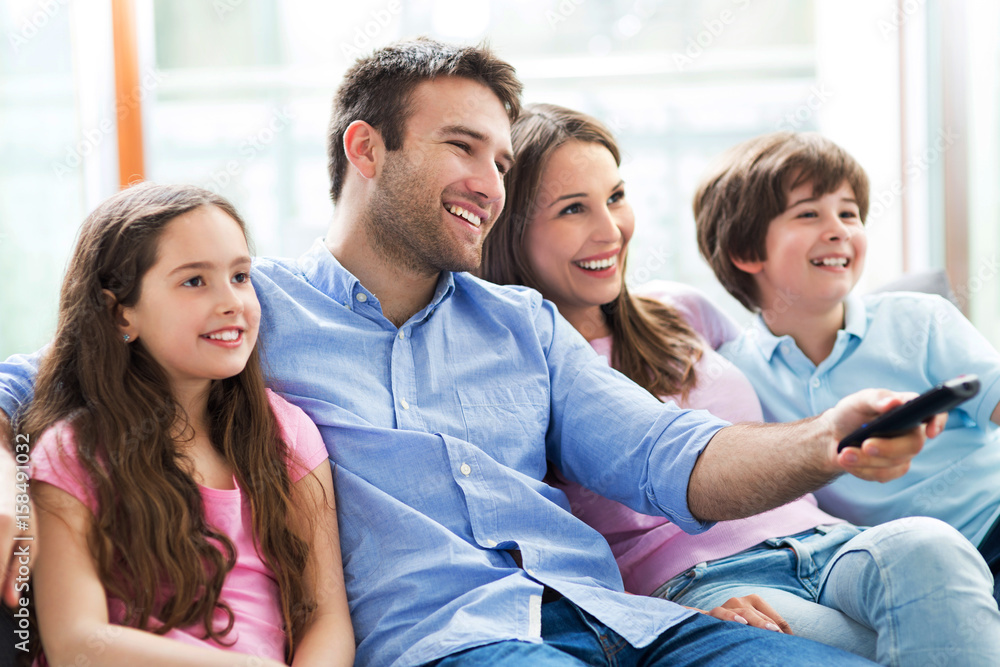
column 468, row 215
column 230, row 335
column 830, row 261
column 598, row 264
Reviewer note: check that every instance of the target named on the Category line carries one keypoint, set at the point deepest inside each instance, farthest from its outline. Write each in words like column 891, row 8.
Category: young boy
column 781, row 221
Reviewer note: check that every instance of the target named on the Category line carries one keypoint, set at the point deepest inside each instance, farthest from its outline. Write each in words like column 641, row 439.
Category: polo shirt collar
column 855, row 324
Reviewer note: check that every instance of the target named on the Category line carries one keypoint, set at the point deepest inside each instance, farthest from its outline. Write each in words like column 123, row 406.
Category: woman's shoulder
column 695, row 307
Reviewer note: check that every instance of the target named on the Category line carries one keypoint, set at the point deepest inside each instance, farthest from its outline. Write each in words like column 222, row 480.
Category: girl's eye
column 572, row 209
column 501, row 169
column 807, row 214
column 241, row 277
column 194, row 282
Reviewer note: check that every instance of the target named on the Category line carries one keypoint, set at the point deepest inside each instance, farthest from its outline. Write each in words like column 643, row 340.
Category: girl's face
column 578, row 235
column 197, row 313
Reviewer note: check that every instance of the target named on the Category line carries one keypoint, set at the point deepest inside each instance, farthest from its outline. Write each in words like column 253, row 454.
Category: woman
column 565, row 232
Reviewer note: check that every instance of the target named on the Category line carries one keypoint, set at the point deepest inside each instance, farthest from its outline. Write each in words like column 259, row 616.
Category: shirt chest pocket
column 508, row 423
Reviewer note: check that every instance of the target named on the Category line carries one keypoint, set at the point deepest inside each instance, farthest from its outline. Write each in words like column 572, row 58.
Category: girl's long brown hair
column 153, row 548
column 651, row 342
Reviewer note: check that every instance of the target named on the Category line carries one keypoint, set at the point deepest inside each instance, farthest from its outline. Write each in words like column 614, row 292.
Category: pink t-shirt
column 250, row 589
column 650, row 550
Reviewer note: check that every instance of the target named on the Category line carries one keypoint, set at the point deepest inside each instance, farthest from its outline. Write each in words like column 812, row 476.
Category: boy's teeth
column 468, row 215
column 225, row 335
column 598, row 264
column 830, row 261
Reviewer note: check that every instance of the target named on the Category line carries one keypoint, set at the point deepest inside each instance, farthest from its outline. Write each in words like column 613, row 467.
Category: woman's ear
column 120, row 316
column 747, row 266
column 364, row 148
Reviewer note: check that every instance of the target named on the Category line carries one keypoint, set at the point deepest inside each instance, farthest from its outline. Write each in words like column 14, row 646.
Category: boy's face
column 815, row 251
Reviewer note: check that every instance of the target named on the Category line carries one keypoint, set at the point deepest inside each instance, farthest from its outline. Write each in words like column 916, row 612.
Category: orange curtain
column 128, row 102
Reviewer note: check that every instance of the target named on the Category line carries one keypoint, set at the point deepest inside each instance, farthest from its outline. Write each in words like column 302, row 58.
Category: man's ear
column 747, row 266
column 364, row 148
column 119, row 315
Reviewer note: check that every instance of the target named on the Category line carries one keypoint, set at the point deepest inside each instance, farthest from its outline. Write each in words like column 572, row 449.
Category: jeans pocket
column 679, row 584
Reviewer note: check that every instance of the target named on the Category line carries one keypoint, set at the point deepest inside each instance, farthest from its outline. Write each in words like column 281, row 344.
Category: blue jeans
column 909, row 592
column 571, row 636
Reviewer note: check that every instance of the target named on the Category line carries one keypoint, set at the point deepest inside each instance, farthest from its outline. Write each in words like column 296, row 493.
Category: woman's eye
column 572, row 209
column 616, row 197
column 242, row 277
column 194, row 282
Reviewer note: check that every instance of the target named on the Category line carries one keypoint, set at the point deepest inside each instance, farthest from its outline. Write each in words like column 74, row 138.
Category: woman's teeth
column 597, row 265
column 468, row 215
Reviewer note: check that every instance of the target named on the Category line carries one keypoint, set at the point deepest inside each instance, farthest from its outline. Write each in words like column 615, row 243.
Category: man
column 441, row 398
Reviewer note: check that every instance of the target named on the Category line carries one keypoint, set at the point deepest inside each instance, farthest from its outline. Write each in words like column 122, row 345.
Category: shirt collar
column 855, row 316
column 855, row 324
column 325, row 272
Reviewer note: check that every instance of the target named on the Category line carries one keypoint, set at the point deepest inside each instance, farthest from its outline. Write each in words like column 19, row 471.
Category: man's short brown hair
column 747, row 189
column 377, row 89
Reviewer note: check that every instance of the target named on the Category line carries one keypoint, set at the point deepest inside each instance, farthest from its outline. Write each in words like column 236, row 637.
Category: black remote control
column 909, row 415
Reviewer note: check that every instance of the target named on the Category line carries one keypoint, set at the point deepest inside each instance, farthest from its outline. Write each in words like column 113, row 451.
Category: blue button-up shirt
column 440, row 432
column 904, row 342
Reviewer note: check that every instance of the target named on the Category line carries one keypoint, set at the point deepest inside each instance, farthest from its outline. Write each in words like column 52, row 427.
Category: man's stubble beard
column 405, row 224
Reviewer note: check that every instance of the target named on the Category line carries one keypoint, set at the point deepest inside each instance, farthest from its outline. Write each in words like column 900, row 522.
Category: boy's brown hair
column 377, row 89
column 747, row 188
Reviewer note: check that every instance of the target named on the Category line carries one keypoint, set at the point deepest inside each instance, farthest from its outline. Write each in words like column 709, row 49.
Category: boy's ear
column 119, row 316
column 747, row 266
column 364, row 148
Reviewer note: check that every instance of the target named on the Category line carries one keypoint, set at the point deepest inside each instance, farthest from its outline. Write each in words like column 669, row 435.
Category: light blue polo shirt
column 904, row 342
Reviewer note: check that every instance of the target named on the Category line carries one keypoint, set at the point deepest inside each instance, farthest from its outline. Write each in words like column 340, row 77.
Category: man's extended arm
column 751, row 468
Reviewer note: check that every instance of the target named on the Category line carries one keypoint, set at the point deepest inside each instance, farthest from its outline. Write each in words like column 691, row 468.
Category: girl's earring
column 125, row 337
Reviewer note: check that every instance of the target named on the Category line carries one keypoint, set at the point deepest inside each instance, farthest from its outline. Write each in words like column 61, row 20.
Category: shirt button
column 406, row 406
column 815, row 382
column 466, row 469
column 361, row 296
column 400, row 334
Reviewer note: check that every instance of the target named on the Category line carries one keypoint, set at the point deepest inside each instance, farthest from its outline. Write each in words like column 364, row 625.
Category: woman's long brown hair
column 651, row 342
column 153, row 548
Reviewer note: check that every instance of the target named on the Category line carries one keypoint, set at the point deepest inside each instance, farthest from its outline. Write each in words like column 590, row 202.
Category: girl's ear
column 120, row 316
column 363, row 147
column 747, row 266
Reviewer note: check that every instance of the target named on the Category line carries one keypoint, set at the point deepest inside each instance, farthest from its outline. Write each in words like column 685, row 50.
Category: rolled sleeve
column 17, row 382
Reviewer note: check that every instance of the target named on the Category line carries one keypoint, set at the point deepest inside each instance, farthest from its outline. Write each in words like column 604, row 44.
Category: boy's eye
column 194, row 282
column 241, row 277
column 572, row 209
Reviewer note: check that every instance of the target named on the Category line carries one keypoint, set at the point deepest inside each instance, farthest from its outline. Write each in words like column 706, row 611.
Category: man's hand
column 750, row 610
column 878, row 459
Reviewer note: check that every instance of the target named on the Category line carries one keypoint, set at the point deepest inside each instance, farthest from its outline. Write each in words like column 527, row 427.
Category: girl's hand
column 750, row 610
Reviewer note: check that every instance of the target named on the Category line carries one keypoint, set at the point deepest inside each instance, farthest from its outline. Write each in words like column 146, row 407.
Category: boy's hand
column 878, row 459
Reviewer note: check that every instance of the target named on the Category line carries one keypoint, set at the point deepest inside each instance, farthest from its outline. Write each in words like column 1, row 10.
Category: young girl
column 880, row 593
column 184, row 512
